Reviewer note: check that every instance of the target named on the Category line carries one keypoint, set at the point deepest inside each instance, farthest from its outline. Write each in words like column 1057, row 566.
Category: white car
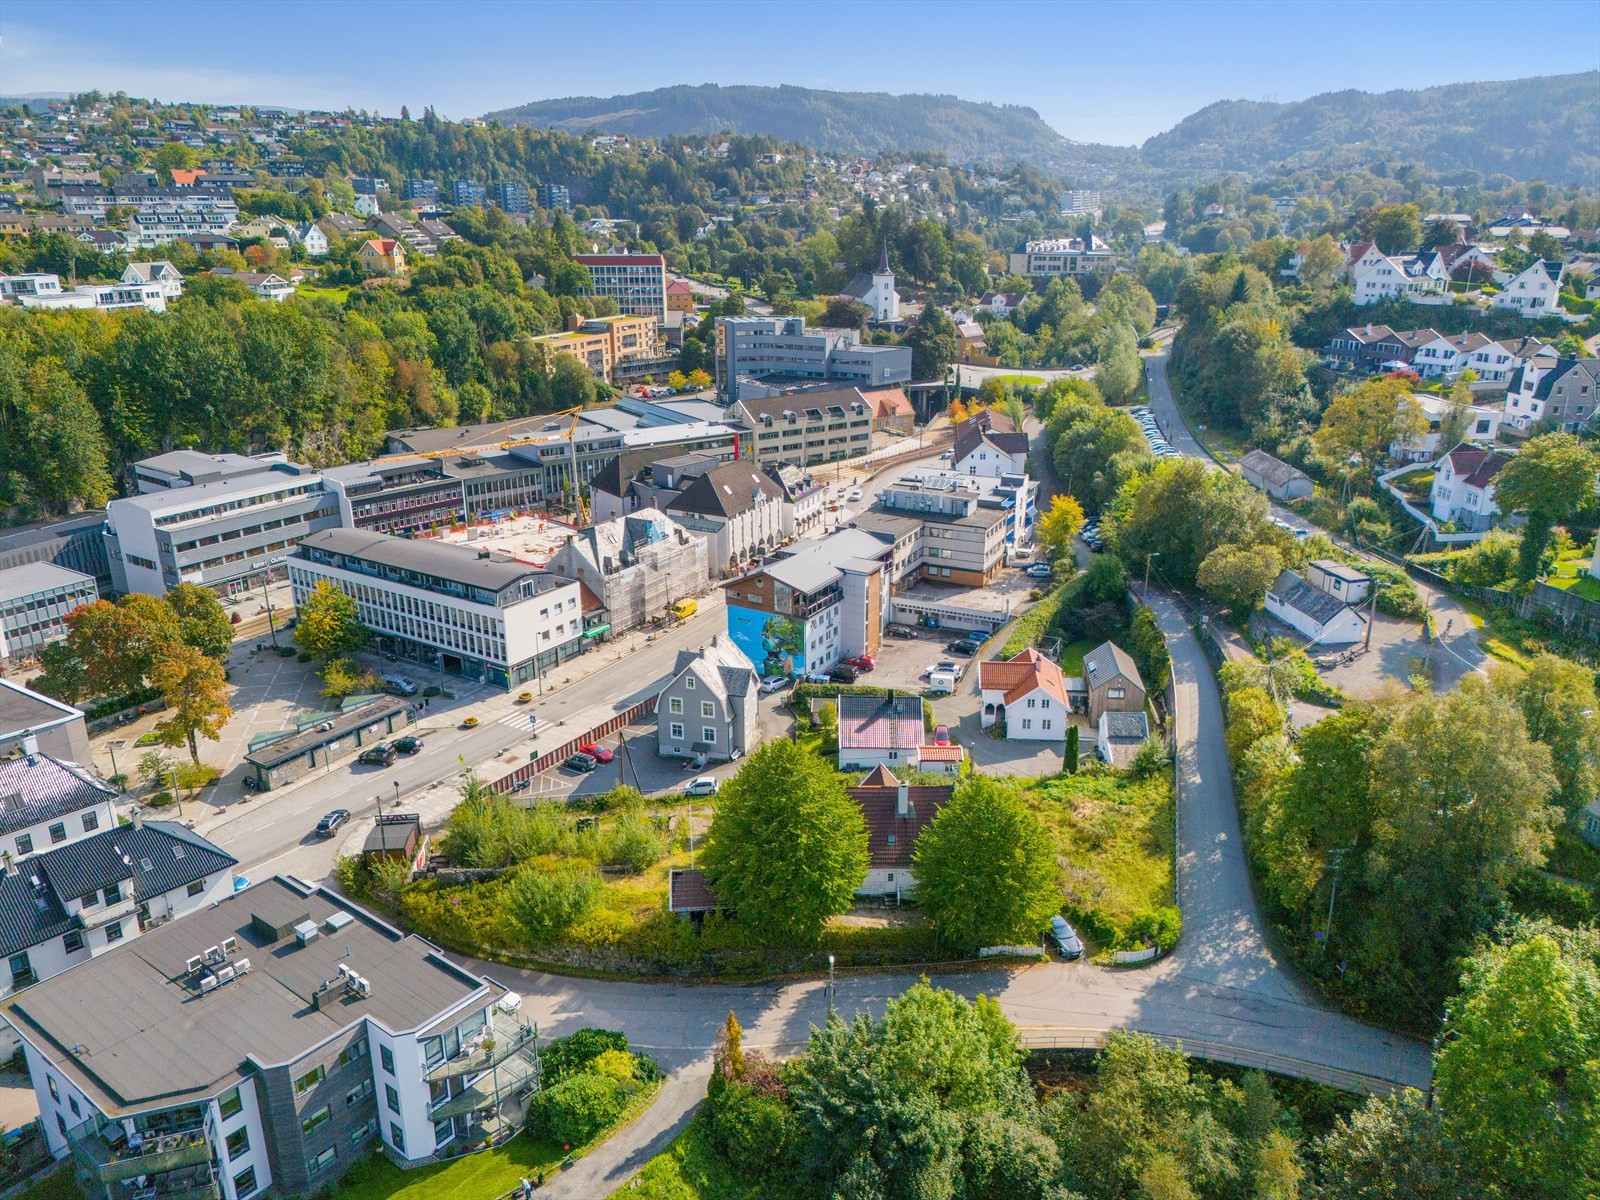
column 855, row 494
column 774, row 683
column 706, row 785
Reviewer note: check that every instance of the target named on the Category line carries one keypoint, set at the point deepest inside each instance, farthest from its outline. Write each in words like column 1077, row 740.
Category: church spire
column 883, row 259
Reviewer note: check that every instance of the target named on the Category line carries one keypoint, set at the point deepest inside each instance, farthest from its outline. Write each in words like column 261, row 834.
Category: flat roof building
column 636, row 282
column 493, row 619
column 45, row 723
column 34, row 602
column 783, row 349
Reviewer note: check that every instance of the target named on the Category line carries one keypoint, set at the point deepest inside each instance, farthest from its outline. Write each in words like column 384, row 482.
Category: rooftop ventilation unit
column 306, row 932
column 337, row 921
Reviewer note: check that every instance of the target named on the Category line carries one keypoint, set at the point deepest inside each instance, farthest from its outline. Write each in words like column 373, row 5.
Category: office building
column 31, row 722
column 34, row 602
column 950, row 529
column 1079, row 202
column 466, row 192
column 802, row 613
column 74, row 542
column 782, row 352
column 263, row 1046
column 420, row 189
column 1053, row 258
column 553, row 195
column 510, row 196
column 226, row 533
column 636, row 282
column 496, row 620
column 806, row 428
column 423, row 495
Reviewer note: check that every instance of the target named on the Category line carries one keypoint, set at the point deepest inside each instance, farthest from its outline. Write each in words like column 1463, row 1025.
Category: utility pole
column 1372, row 615
column 1147, row 558
column 266, row 598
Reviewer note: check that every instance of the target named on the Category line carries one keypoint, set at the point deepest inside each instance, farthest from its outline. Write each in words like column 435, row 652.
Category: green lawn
column 1024, row 380
column 474, row 1177
column 311, row 291
column 59, row 1186
column 1116, row 834
column 1071, row 660
column 1572, row 575
column 691, row 1169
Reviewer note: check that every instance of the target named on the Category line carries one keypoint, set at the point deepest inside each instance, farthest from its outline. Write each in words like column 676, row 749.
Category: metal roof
column 158, row 857
column 427, row 556
column 1108, row 660
column 40, row 789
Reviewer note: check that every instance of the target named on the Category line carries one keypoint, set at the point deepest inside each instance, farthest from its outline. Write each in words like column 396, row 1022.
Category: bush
column 752, row 1131
column 1159, row 928
column 1397, row 595
column 615, row 1064
column 1149, row 648
column 543, row 904
column 160, row 800
column 572, row 1055
column 1030, row 628
column 576, row 1110
column 634, row 841
column 1150, row 759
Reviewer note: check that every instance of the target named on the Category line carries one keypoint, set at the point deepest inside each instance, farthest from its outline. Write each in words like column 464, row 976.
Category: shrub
column 1159, row 928
column 752, row 1131
column 615, row 1064
column 634, row 841
column 1030, row 628
column 577, row 1109
column 1150, row 759
column 1149, row 648
column 1396, row 595
column 542, row 904
column 573, row 1054
column 160, row 800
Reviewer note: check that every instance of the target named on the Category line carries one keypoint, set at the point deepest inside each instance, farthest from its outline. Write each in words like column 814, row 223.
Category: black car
column 581, row 762
column 329, row 825
column 381, row 755
column 408, row 745
column 963, row 649
column 844, row 673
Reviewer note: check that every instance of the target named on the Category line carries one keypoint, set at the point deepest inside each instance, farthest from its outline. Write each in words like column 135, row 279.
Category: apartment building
column 734, row 504
column 466, row 192
column 603, row 343
column 158, row 223
column 510, row 196
column 637, row 282
column 553, row 195
column 107, row 297
column 31, row 721
column 1563, row 392
column 961, row 528
column 804, row 612
column 34, row 602
column 1053, row 258
column 419, row 189
column 228, row 533
column 263, row 1046
column 806, row 428
column 496, row 620
column 780, row 351
column 46, row 803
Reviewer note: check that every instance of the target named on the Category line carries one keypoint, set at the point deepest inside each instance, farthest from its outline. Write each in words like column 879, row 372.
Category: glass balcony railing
column 505, row 1036
column 115, row 1156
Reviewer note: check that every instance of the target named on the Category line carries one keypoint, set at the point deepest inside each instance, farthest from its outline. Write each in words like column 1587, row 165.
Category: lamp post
column 176, row 793
column 1147, row 558
column 830, row 989
column 396, row 795
column 115, row 774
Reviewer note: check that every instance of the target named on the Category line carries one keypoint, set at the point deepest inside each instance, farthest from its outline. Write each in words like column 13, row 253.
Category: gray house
column 708, row 709
column 1274, row 476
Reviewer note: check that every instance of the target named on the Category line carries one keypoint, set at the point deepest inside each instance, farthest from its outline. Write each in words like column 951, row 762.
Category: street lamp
column 830, row 989
column 176, row 793
column 1147, row 558
column 396, row 796
column 115, row 774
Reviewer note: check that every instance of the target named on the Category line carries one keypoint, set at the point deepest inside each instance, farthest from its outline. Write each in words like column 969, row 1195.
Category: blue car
column 1065, row 938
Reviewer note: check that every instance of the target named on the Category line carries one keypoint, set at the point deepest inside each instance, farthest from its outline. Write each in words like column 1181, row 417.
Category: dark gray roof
column 44, row 789
column 158, row 857
column 1125, row 726
column 29, row 916
column 608, row 479
column 1299, row 595
column 427, row 556
column 1274, row 470
column 726, row 491
column 132, row 1030
column 1108, row 660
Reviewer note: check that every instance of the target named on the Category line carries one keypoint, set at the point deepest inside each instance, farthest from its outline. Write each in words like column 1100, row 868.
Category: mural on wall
column 776, row 645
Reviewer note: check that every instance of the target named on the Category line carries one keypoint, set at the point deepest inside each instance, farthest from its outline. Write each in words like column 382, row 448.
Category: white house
column 1498, row 361
column 708, row 709
column 1377, row 276
column 1483, row 427
column 1119, row 736
column 987, row 445
column 1446, row 357
column 45, row 803
column 266, row 285
column 1534, row 292
column 1463, row 487
column 1339, row 580
column 875, row 289
column 310, row 237
column 1028, row 695
column 880, row 731
column 1325, row 619
column 1001, row 304
column 163, row 274
column 366, row 206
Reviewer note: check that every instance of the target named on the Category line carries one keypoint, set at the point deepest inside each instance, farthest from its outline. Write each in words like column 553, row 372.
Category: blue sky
column 1100, row 72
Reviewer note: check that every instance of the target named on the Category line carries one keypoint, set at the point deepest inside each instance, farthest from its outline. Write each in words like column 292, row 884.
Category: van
column 399, row 685
column 684, row 608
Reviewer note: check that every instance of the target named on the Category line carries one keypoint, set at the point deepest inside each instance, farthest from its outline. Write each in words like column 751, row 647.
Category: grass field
column 59, row 1186
column 1024, row 380
column 1572, row 575
column 337, row 294
column 1070, row 660
column 1116, row 834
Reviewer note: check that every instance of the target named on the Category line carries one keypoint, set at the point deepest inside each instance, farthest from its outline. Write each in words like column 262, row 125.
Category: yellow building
column 680, row 297
column 602, row 342
column 384, row 255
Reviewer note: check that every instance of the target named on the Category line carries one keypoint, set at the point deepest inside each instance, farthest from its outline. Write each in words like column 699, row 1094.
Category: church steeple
column 883, row 259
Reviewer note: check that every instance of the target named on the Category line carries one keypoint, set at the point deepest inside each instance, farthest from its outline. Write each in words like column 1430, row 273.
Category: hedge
column 1031, row 626
column 803, row 694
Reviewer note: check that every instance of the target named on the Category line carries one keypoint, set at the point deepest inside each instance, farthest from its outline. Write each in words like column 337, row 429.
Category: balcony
column 114, row 911
column 114, row 1157
column 195, row 1183
column 510, row 1036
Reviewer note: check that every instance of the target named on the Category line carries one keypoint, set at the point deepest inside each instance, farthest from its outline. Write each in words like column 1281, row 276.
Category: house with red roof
column 1027, row 694
column 384, row 255
column 1463, row 487
column 896, row 813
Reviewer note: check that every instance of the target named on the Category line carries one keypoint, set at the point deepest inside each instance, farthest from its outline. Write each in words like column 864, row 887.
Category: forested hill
column 1542, row 128
column 863, row 124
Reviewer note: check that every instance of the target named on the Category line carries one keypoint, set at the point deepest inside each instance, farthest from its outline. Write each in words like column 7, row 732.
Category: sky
column 1097, row 72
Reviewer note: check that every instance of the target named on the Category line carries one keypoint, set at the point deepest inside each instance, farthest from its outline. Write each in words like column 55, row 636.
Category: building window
column 320, row 1162
column 239, row 1141
column 363, row 1131
column 21, row 976
column 386, row 1057
column 674, row 704
column 91, row 821
column 24, row 844
column 72, row 1103
column 309, row 1080
column 444, row 1132
column 113, row 894
column 689, row 683
column 114, row 932
column 230, row 1104
column 244, row 1183
column 55, row 1088
column 675, row 731
column 358, row 1093
column 1027, row 724
column 397, row 1136
column 58, row 832
column 320, row 1117
column 195, row 888
column 708, row 708
column 1115, row 693
column 352, row 1052
column 708, row 735
column 1032, row 703
column 392, row 1096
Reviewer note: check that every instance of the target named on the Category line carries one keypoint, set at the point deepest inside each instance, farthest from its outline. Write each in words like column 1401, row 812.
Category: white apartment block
column 1055, row 258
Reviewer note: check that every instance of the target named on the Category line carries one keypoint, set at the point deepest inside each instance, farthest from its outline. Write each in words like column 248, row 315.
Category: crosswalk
column 521, row 719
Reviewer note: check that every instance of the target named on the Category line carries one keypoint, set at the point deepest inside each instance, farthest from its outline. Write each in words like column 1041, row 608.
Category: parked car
column 329, row 825
column 944, row 664
column 941, row 735
column 901, row 631
column 964, row 649
column 705, row 785
column 977, row 637
column 408, row 744
column 855, row 494
column 862, row 662
column 399, row 685
column 583, row 763
column 775, row 683
column 381, row 755
column 844, row 673
column 1065, row 937
column 1039, row 571
column 946, row 455
column 597, row 752
column 240, row 882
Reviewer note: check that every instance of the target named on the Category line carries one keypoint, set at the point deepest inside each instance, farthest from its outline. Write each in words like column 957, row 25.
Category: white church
column 876, row 290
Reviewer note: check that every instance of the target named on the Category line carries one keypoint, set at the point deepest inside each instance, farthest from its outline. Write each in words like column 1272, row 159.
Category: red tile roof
column 890, row 836
column 879, row 722
column 951, row 753
column 1474, row 466
column 1024, row 673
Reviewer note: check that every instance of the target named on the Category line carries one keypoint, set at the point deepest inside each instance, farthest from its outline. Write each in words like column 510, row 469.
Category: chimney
column 30, row 747
column 138, row 819
column 902, row 801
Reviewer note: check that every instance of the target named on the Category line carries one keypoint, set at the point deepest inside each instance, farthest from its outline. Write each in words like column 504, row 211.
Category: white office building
column 434, row 603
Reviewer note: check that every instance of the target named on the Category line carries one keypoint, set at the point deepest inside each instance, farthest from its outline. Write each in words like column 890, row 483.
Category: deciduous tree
column 1361, row 424
column 196, row 691
column 1551, row 479
column 1239, row 576
column 1060, row 525
column 329, row 624
column 1556, row 697
column 202, row 623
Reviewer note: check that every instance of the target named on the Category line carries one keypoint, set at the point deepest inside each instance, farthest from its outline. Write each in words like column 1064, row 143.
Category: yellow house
column 384, row 255
column 600, row 343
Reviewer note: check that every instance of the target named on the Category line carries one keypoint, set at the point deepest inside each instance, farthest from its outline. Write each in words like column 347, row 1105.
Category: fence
column 1239, row 1056
column 1574, row 615
column 570, row 747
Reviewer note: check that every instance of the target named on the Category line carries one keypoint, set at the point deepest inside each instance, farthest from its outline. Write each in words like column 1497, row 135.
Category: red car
column 597, row 752
column 941, row 735
column 862, row 662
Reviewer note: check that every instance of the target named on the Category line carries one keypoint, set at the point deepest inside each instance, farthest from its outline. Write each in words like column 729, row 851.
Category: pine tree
column 1071, row 762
